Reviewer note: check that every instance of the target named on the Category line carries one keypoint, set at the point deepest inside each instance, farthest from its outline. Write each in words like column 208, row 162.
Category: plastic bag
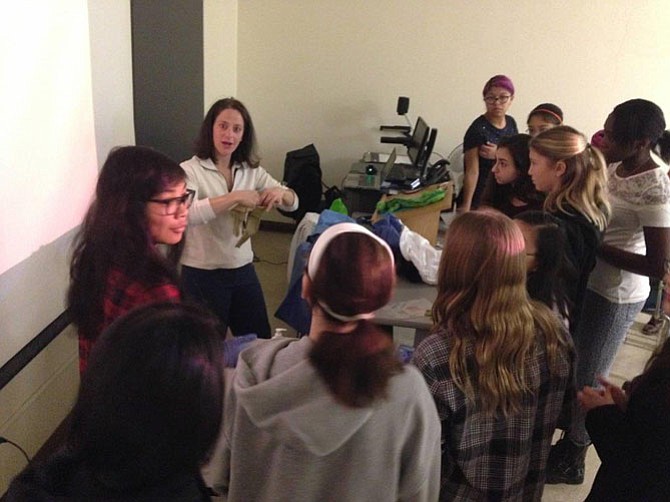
column 422, row 254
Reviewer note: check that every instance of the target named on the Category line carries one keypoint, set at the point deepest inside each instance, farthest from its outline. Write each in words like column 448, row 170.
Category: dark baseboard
column 55, row 442
column 278, row 226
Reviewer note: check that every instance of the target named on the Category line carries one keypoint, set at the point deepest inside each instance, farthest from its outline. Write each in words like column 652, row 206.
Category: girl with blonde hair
column 573, row 175
column 498, row 364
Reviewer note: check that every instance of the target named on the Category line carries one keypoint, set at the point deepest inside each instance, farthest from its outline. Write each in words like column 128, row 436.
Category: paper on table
column 405, row 310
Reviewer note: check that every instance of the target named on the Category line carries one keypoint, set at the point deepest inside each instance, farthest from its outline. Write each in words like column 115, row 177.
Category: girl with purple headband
column 481, row 138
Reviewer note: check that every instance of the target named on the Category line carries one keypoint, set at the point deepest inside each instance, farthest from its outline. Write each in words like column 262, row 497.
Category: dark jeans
column 235, row 295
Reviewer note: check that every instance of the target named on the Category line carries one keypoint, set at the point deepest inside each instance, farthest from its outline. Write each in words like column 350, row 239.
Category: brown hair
column 355, row 275
column 115, row 233
column 483, row 306
column 549, row 112
column 246, row 150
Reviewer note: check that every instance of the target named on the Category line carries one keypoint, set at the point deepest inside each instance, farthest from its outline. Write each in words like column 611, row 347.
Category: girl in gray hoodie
column 333, row 415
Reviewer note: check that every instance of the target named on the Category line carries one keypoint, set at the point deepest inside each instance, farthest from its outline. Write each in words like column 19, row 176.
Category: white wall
column 112, row 74
column 219, row 50
column 330, row 72
column 34, row 403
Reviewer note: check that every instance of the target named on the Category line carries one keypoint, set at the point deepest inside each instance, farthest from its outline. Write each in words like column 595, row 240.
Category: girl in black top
column 481, row 138
column 509, row 188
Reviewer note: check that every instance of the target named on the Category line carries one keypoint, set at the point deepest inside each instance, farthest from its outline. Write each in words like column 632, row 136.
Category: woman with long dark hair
column 141, row 201
column 548, row 270
column 509, row 188
column 231, row 188
column 147, row 414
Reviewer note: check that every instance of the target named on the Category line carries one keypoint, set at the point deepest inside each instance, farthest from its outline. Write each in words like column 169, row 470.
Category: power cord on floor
column 5, row 440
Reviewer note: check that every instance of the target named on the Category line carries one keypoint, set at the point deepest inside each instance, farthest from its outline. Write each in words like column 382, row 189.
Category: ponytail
column 356, row 366
column 662, row 147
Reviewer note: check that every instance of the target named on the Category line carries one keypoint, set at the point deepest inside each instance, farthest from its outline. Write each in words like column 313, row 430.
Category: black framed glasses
column 172, row 205
column 502, row 99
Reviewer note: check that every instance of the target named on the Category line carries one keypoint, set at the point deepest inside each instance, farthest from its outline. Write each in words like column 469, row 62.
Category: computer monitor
column 424, row 161
column 417, row 143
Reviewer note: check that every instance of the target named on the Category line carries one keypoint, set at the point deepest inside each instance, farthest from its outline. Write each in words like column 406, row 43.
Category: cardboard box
column 425, row 220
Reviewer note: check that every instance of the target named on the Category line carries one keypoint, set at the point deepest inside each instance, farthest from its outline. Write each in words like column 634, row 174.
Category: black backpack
column 302, row 173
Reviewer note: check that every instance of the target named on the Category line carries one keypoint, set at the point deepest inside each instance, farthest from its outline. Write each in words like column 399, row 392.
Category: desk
column 408, row 307
column 424, row 220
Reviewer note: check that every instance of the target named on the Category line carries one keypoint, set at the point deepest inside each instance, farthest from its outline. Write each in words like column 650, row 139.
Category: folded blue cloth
column 389, row 228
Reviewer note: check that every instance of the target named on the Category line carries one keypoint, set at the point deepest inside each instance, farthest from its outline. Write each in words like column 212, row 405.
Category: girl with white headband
column 333, row 415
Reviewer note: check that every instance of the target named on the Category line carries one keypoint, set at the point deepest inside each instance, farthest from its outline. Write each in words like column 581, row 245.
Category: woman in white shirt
column 635, row 246
column 217, row 262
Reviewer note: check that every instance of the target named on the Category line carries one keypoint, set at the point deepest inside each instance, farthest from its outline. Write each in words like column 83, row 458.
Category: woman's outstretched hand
column 609, row 393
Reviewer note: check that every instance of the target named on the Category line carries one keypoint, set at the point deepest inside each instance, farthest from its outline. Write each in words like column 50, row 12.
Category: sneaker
column 652, row 327
column 566, row 463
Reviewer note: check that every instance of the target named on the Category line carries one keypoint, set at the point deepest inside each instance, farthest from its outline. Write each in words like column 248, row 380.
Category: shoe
column 566, row 463
column 652, row 327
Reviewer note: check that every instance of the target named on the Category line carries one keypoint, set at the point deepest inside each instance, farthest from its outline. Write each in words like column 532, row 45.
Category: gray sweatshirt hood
column 282, row 394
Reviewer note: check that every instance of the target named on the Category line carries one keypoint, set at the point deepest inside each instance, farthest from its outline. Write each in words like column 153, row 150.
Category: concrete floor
column 271, row 249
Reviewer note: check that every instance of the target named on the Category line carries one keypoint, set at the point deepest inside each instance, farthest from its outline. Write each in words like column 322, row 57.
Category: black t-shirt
column 479, row 133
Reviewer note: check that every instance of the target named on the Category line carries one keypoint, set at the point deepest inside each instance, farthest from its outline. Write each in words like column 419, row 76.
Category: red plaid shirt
column 122, row 295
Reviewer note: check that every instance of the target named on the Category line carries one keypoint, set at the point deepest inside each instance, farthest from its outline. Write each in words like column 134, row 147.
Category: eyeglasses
column 494, row 99
column 172, row 205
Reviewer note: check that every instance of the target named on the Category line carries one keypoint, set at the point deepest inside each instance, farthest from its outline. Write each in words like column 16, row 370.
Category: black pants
column 234, row 295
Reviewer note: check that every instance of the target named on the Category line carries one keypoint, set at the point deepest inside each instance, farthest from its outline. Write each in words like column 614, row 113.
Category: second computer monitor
column 418, row 141
column 424, row 161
